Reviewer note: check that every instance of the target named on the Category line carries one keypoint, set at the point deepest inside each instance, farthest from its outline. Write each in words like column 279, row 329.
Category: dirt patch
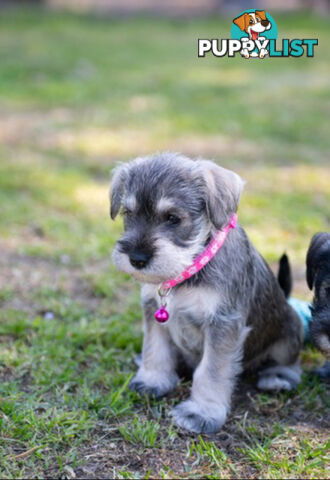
column 23, row 274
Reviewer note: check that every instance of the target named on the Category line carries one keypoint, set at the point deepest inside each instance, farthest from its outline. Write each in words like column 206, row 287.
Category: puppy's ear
column 241, row 21
column 223, row 189
column 117, row 189
column 261, row 14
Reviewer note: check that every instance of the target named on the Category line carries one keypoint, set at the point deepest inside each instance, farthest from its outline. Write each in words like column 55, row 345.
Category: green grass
column 140, row 433
column 207, row 453
column 281, row 459
column 77, row 95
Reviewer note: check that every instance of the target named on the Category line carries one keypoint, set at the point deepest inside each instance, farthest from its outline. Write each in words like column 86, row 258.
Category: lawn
column 78, row 95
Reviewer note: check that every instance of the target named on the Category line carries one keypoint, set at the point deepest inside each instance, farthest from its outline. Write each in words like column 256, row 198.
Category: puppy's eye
column 127, row 212
column 251, row 22
column 172, row 219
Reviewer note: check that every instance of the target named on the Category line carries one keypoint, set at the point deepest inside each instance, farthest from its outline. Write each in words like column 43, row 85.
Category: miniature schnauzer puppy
column 231, row 315
column 318, row 278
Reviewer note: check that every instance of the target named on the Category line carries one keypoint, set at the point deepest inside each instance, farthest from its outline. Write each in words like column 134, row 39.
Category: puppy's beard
column 168, row 261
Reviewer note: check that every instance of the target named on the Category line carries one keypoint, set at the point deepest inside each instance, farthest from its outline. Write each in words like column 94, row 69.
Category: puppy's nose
column 264, row 23
column 139, row 259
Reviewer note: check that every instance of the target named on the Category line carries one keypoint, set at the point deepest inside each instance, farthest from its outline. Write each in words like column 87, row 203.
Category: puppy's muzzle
column 139, row 259
column 139, row 256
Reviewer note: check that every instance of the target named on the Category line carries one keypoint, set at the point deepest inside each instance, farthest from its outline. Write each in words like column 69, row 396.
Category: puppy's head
column 171, row 206
column 318, row 257
column 253, row 23
column 318, row 278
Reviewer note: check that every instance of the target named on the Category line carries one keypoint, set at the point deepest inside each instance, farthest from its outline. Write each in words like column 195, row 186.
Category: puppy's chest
column 189, row 310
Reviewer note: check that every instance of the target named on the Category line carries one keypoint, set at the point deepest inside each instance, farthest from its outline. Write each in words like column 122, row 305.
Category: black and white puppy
column 318, row 278
column 232, row 315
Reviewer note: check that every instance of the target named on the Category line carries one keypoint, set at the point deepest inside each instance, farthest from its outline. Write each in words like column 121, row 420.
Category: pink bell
column 162, row 315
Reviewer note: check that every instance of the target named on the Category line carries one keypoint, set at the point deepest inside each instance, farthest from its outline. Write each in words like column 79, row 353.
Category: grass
column 140, row 433
column 280, row 459
column 77, row 95
column 210, row 455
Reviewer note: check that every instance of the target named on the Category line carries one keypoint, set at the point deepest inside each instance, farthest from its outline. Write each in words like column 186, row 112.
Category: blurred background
column 177, row 7
column 105, row 80
column 85, row 84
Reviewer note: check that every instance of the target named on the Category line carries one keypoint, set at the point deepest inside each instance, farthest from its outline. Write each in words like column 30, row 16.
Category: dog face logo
column 253, row 23
column 254, row 26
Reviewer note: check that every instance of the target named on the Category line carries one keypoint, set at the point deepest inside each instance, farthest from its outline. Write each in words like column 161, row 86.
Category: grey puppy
column 230, row 316
column 318, row 278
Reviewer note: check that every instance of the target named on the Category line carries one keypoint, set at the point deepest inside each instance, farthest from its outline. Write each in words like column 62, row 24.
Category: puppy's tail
column 284, row 275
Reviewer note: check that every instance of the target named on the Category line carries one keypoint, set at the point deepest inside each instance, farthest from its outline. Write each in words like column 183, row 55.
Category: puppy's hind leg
column 279, row 377
column 284, row 372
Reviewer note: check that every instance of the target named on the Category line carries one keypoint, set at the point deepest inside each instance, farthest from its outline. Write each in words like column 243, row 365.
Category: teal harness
column 303, row 310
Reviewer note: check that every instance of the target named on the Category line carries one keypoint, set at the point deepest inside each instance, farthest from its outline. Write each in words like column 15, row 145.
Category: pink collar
column 215, row 244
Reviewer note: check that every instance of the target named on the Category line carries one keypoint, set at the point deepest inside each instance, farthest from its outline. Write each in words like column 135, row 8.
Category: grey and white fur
column 230, row 316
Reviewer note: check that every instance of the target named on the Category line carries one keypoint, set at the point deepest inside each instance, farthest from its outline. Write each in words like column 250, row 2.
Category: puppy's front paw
column 153, row 384
column 207, row 418
column 142, row 388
